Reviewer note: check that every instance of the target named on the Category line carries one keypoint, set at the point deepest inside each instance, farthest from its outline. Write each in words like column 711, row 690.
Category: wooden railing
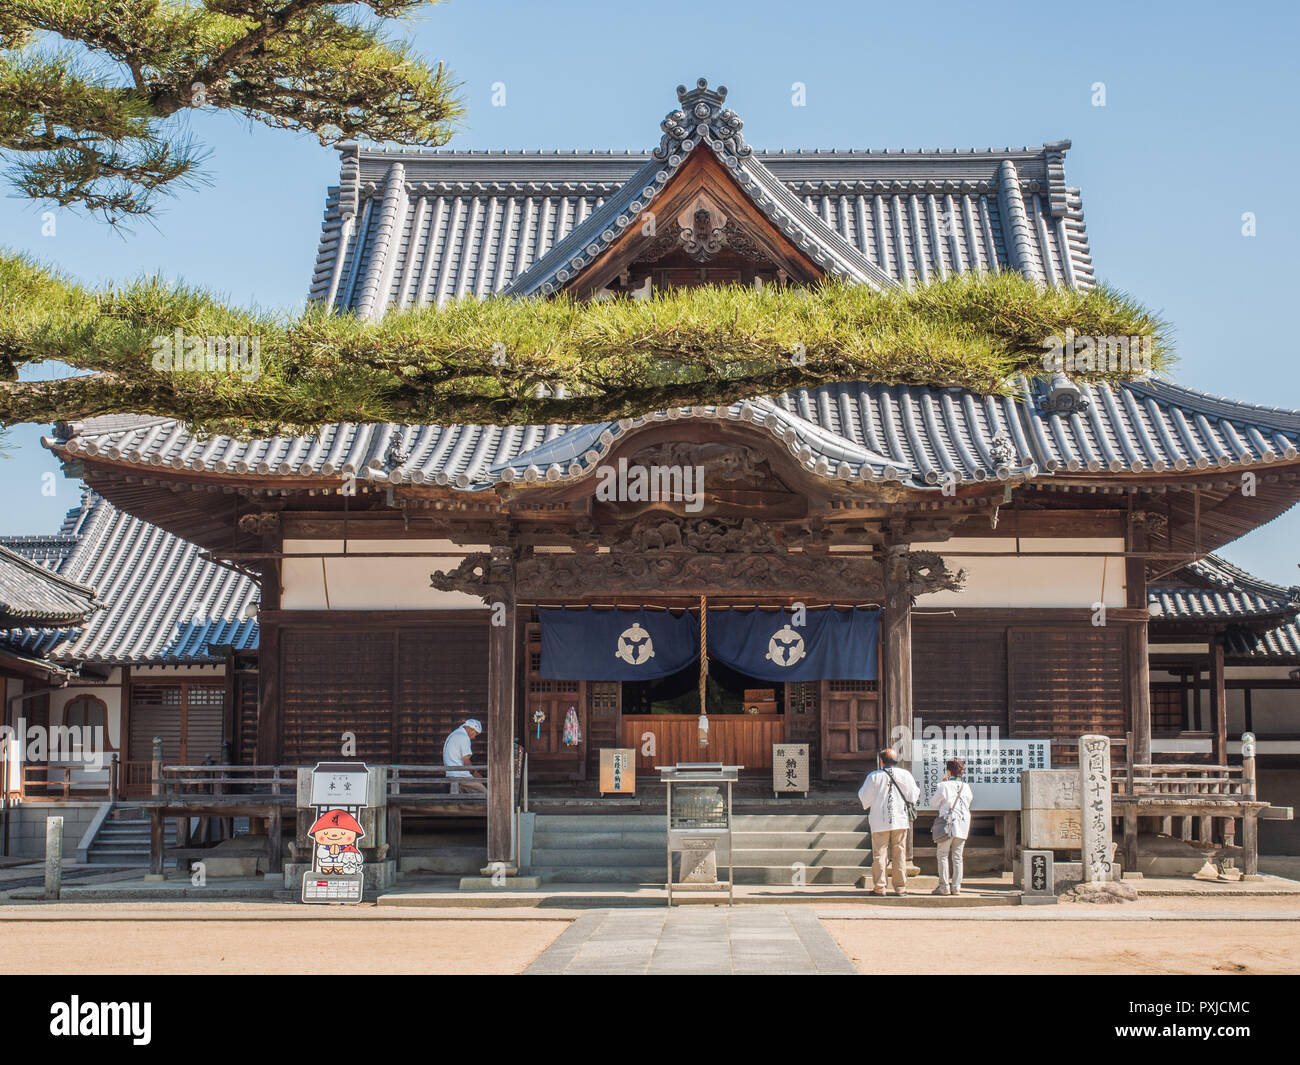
column 420, row 781
column 227, row 780
column 735, row 739
column 1188, row 780
column 65, row 781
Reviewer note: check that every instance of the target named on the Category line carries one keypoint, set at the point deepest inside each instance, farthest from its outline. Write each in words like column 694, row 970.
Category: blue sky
column 1198, row 128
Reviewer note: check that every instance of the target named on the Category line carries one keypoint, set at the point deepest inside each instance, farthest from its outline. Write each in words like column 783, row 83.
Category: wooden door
column 548, row 757
column 187, row 717
column 850, row 714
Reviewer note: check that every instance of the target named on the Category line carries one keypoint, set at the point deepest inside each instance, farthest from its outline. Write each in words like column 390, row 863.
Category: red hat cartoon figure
column 336, row 833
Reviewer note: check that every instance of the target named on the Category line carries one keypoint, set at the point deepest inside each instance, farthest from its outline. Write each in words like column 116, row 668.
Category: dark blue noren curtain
column 587, row 644
column 764, row 644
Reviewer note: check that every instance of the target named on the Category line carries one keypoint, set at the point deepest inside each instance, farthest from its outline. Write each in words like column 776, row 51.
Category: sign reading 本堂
column 338, row 796
column 789, row 768
column 993, row 768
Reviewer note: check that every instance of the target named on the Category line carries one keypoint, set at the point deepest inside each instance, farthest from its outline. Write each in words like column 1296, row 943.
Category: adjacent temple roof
column 162, row 603
column 1210, row 595
column 406, row 228
column 33, row 595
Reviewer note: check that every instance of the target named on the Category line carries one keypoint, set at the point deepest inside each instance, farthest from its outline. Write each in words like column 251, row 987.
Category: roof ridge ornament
column 701, row 116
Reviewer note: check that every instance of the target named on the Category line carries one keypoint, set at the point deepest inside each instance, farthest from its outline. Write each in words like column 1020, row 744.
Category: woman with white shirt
column 952, row 800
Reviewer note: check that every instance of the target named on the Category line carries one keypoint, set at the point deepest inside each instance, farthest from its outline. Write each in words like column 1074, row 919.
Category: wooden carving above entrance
column 662, row 533
column 668, row 571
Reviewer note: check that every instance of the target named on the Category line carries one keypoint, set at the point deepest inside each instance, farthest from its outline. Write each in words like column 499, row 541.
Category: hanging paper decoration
column 703, row 729
column 572, row 730
column 539, row 716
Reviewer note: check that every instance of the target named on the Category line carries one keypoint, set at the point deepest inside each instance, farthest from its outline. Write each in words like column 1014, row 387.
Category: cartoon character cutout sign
column 337, row 801
column 335, row 834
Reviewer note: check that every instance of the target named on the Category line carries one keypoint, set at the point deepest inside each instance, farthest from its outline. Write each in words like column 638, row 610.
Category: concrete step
column 836, row 840
column 598, row 822
column 787, row 856
column 576, row 858
column 801, row 823
column 602, row 840
column 603, row 874
column 845, row 875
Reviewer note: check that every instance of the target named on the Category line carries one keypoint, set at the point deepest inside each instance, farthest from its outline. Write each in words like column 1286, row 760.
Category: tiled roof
column 163, row 603
column 410, row 228
column 919, row 436
column 30, row 594
column 1258, row 618
column 1213, row 589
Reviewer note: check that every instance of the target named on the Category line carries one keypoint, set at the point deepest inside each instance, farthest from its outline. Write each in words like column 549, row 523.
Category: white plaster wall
column 110, row 696
column 1028, row 581
column 372, row 583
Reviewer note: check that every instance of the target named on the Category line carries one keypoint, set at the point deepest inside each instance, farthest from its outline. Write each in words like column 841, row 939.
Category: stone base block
column 506, row 883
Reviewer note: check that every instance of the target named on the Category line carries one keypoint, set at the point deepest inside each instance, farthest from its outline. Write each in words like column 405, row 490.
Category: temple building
column 1036, row 565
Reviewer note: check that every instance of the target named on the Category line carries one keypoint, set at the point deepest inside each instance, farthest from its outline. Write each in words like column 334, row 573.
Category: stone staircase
column 769, row 848
column 123, row 839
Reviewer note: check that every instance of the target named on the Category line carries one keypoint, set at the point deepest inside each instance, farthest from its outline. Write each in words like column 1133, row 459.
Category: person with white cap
column 457, row 751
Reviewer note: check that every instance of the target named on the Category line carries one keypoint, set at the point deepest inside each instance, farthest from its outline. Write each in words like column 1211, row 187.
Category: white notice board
column 993, row 768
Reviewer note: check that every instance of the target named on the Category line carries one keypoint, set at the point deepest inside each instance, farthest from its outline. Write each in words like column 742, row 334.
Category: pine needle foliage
column 522, row 361
column 92, row 91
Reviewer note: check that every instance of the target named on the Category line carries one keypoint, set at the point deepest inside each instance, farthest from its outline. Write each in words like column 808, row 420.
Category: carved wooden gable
column 702, row 229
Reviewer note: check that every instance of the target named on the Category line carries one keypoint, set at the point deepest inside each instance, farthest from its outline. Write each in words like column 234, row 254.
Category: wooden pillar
column 1139, row 657
column 897, row 624
column 1218, row 702
column 501, row 710
column 269, row 737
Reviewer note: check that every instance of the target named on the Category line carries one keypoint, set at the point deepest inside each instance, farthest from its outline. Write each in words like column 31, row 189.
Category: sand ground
column 1153, row 935
column 1078, row 947
column 142, row 946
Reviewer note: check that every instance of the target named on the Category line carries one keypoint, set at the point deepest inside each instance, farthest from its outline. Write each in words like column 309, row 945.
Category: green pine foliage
column 520, row 361
column 93, row 92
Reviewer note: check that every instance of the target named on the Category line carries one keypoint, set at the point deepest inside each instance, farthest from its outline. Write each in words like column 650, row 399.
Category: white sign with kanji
column 993, row 768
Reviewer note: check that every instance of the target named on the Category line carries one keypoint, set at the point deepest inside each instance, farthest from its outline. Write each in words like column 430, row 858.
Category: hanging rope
column 704, row 671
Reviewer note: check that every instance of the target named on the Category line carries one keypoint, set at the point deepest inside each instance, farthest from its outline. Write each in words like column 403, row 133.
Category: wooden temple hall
column 956, row 559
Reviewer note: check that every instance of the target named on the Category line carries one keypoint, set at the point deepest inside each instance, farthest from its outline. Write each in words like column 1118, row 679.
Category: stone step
column 603, row 840
column 603, row 874
column 787, row 856
column 801, row 823
column 564, row 858
column 839, row 840
column 598, row 822
column 846, row 875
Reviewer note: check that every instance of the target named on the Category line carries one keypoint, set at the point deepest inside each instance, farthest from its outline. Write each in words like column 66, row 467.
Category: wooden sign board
column 789, row 768
column 617, row 771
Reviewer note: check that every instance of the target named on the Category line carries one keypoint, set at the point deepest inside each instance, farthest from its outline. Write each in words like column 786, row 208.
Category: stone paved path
column 697, row 940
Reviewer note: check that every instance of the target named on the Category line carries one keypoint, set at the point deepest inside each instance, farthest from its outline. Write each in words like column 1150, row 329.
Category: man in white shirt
column 886, row 793
column 457, row 751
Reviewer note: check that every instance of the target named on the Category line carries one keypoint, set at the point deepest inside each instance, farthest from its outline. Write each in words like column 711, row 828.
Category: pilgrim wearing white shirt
column 951, row 801
column 886, row 793
column 457, row 751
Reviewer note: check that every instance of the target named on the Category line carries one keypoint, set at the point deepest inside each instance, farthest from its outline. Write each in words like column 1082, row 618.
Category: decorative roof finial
column 702, row 116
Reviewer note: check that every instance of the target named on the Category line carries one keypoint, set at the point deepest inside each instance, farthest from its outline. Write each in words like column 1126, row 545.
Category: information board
column 993, row 768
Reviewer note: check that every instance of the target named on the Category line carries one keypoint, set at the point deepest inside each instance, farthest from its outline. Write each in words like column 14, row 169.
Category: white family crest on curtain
column 768, row 645
column 786, row 647
column 622, row 644
column 635, row 647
